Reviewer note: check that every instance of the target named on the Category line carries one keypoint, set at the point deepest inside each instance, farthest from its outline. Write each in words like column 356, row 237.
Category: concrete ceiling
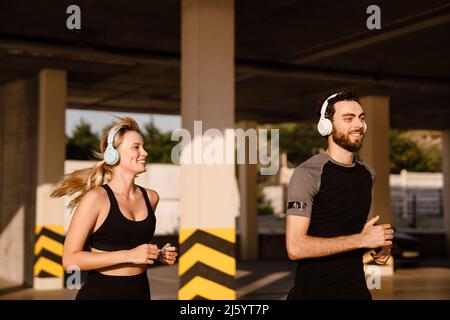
column 289, row 53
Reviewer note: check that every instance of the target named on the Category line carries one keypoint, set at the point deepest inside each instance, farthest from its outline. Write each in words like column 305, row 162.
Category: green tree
column 300, row 141
column 407, row 152
column 82, row 143
column 413, row 150
column 157, row 144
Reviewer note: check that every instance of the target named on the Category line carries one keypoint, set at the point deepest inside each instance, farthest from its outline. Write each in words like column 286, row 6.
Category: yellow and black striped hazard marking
column 48, row 249
column 207, row 264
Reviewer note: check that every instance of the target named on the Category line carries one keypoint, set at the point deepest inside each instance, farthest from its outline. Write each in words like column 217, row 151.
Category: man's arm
column 301, row 246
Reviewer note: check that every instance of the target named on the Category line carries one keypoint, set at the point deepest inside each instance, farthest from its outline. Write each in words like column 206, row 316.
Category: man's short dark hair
column 343, row 95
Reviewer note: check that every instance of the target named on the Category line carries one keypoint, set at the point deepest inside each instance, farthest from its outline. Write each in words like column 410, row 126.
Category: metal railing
column 417, row 208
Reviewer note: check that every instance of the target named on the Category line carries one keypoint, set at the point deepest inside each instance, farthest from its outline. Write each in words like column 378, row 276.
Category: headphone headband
column 325, row 104
column 111, row 135
column 111, row 156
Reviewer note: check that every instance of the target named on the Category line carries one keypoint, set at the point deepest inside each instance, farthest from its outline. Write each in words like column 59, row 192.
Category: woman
column 116, row 217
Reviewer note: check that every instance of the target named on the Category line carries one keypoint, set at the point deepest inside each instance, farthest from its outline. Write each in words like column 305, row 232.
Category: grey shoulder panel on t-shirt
column 304, row 185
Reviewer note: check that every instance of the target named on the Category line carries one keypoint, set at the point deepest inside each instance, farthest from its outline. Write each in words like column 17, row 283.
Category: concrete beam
column 429, row 19
column 247, row 69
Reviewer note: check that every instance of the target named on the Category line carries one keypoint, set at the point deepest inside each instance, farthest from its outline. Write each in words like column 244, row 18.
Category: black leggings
column 102, row 287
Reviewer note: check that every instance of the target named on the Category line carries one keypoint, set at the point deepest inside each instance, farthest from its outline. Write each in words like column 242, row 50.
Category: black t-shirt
column 336, row 197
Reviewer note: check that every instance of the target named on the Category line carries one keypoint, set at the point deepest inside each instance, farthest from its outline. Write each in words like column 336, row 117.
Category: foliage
column 81, row 144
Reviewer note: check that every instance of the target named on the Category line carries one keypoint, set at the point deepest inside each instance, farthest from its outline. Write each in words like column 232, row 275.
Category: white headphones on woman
column 111, row 155
column 325, row 126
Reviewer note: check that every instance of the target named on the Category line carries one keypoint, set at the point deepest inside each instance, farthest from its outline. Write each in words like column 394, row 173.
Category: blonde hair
column 83, row 180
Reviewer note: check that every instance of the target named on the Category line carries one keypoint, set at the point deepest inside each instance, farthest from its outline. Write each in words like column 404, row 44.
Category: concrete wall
column 18, row 167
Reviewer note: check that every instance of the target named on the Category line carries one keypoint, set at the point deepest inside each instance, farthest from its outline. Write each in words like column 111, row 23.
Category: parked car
column 405, row 250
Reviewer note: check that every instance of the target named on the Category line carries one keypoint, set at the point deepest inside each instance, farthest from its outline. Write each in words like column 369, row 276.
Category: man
column 329, row 198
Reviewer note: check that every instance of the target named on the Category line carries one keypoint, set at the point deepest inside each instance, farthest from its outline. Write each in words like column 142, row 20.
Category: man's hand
column 376, row 236
column 382, row 256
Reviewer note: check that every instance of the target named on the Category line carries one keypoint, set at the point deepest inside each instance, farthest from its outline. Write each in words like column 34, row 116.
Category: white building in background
column 274, row 195
column 429, row 180
column 165, row 179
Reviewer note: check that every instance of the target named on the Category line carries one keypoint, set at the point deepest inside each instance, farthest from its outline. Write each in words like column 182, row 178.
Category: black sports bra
column 120, row 233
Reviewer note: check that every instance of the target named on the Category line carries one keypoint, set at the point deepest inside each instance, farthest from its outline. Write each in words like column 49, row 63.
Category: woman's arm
column 83, row 222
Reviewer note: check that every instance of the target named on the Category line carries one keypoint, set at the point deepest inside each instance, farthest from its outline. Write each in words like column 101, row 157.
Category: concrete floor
column 272, row 279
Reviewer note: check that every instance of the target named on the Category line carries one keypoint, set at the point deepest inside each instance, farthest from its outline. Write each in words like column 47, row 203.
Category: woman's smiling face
column 132, row 152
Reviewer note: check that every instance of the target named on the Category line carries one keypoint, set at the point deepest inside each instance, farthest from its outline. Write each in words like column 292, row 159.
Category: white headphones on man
column 325, row 126
column 111, row 155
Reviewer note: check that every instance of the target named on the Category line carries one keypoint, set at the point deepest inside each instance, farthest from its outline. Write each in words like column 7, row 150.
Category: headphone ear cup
column 325, row 127
column 111, row 156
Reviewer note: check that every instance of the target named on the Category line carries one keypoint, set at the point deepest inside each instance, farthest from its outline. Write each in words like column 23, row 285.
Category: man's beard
column 343, row 140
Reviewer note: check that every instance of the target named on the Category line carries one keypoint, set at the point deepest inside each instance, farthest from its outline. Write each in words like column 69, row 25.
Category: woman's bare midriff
column 124, row 269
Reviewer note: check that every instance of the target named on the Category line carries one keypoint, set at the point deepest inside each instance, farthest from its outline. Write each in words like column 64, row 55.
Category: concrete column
column 207, row 236
column 18, row 146
column 446, row 191
column 248, row 219
column 48, row 271
column 375, row 152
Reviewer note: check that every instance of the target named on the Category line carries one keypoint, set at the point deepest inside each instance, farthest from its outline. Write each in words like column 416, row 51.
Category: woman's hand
column 143, row 254
column 168, row 254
